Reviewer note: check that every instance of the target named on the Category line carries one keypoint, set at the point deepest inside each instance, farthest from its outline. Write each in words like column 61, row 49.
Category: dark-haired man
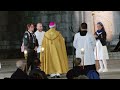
column 76, row 71
column 30, row 46
column 37, row 71
column 84, row 42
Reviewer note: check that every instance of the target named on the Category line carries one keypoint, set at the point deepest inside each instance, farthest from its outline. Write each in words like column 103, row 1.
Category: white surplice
column 39, row 36
column 87, row 42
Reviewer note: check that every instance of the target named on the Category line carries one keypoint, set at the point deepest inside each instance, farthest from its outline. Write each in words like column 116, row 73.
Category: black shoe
column 57, row 76
column 53, row 77
column 48, row 74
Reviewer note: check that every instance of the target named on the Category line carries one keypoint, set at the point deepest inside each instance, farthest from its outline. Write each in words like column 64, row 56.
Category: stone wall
column 10, row 34
column 63, row 20
column 3, row 28
column 111, row 21
column 13, row 26
column 67, row 22
column 3, row 31
column 116, row 30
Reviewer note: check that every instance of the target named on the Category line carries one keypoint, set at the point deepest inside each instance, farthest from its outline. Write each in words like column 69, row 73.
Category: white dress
column 101, row 52
column 88, row 43
column 39, row 36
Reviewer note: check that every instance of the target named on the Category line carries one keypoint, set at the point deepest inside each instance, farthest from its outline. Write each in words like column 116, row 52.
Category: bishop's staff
column 82, row 54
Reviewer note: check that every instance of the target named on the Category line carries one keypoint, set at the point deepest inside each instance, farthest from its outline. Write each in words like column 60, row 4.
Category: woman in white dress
column 101, row 52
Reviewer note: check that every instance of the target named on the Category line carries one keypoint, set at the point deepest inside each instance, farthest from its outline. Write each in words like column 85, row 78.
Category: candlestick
column 25, row 54
column 82, row 52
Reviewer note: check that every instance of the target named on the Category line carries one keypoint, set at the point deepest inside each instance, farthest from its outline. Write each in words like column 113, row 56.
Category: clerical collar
column 83, row 33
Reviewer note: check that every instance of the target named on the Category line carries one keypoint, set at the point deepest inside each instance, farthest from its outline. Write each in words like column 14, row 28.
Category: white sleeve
column 93, row 40
column 75, row 41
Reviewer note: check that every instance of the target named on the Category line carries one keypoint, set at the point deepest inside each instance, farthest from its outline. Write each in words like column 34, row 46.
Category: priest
column 53, row 57
column 84, row 43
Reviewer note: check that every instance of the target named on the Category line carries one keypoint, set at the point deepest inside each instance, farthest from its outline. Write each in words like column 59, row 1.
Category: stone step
column 114, row 55
column 8, row 67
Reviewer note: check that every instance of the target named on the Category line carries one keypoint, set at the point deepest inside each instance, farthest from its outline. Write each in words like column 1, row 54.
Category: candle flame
column 42, row 49
column 25, row 52
column 82, row 49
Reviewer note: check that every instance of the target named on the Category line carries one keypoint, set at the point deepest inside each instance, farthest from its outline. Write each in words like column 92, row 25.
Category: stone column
column 89, row 21
column 106, row 17
column 116, row 23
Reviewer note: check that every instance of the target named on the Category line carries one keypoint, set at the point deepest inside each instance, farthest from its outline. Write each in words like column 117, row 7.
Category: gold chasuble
column 54, row 57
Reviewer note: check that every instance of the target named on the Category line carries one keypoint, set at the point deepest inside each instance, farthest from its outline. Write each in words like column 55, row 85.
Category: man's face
column 31, row 28
column 39, row 27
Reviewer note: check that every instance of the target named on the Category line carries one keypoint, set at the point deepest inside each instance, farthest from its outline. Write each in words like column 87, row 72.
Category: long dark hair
column 101, row 25
column 105, row 36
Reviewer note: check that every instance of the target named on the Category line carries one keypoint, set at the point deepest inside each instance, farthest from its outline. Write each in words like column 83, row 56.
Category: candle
column 25, row 54
column 93, row 13
column 42, row 49
column 82, row 50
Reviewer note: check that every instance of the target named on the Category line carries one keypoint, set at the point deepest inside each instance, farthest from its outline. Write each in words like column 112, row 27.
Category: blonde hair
column 19, row 64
